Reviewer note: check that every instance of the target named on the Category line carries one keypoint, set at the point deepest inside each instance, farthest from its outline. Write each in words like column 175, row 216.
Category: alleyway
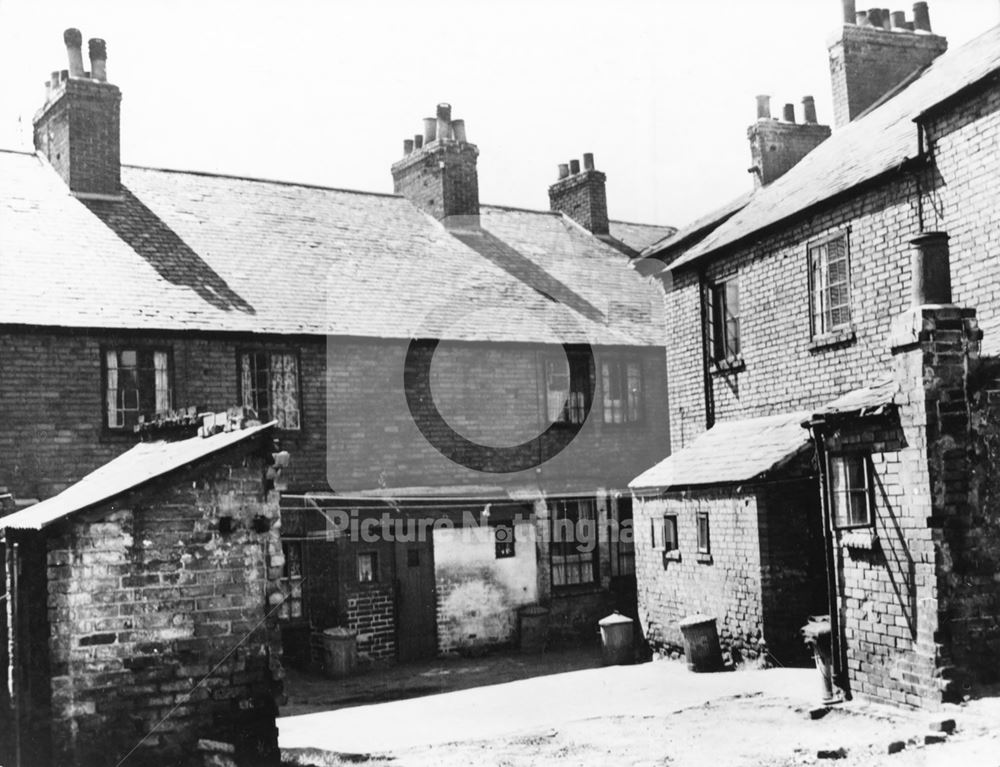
column 656, row 713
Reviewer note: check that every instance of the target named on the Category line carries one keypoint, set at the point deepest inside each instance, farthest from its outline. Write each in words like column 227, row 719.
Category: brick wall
column 52, row 406
column 157, row 621
column 371, row 612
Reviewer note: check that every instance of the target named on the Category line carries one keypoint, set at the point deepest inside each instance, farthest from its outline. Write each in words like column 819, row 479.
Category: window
column 724, row 320
column 850, row 490
column 503, row 537
column 669, row 536
column 622, row 386
column 566, row 389
column 367, row 567
column 704, row 537
column 829, row 285
column 269, row 385
column 138, row 383
column 622, row 538
column 573, row 546
column 291, row 581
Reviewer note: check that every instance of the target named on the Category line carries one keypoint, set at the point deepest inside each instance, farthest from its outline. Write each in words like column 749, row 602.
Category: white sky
column 325, row 92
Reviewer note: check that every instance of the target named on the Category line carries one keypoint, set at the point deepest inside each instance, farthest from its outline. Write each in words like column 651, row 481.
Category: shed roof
column 876, row 142
column 868, row 400
column 144, row 462
column 730, row 452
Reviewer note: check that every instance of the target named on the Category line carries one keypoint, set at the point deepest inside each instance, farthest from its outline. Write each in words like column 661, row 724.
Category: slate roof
column 700, row 227
column 876, row 142
column 731, row 452
column 193, row 251
column 639, row 236
column 868, row 400
column 144, row 462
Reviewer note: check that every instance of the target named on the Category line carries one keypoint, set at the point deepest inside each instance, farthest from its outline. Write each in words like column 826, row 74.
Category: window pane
column 849, row 491
column 634, row 391
column 704, row 540
column 557, row 389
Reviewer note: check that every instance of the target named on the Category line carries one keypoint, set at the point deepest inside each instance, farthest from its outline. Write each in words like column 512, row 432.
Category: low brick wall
column 371, row 612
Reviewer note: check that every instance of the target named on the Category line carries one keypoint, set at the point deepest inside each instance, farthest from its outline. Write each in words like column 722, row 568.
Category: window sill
column 671, row 556
column 705, row 559
column 729, row 365
column 841, row 337
column 859, row 538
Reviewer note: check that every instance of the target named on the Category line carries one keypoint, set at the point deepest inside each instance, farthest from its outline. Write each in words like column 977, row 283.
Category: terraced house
column 420, row 355
column 837, row 331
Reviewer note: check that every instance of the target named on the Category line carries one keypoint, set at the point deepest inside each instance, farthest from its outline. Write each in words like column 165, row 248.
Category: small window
column 724, row 320
column 291, row 581
column 566, row 388
column 704, row 535
column 850, row 490
column 138, row 383
column 829, row 285
column 573, row 546
column 503, row 536
column 269, row 385
column 621, row 383
column 669, row 536
column 621, row 535
column 367, row 567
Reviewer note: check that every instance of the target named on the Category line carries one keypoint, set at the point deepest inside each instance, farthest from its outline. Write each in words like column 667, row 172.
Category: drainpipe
column 706, row 353
column 832, row 564
column 12, row 566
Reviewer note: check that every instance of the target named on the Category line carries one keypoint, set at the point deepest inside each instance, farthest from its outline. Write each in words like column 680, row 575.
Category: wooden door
column 416, row 599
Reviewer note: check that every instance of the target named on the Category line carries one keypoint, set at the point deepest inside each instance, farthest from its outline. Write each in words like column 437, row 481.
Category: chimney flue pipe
column 443, row 121
column 850, row 11
column 563, row 171
column 930, row 269
column 899, row 21
column 430, row 129
column 74, row 51
column 886, row 20
column 588, row 160
column 458, row 130
column 418, row 140
column 789, row 113
column 407, row 146
column 861, row 19
column 921, row 17
column 574, row 167
column 875, row 17
column 763, row 107
column 98, row 58
column 809, row 110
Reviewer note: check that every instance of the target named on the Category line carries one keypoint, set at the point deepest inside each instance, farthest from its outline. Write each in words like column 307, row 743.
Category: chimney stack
column 763, row 107
column 877, row 53
column 78, row 127
column 776, row 146
column 582, row 195
column 439, row 175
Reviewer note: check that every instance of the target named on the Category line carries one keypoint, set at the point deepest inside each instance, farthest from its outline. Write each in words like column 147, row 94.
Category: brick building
column 850, row 294
column 141, row 605
column 425, row 357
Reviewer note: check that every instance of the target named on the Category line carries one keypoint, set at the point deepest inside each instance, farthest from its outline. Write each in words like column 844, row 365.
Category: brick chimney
column 581, row 195
column 875, row 53
column 78, row 127
column 438, row 170
column 778, row 145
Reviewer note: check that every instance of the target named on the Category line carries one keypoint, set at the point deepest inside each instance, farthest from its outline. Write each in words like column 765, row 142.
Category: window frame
column 594, row 565
column 867, row 492
column 718, row 323
column 288, row 582
column 375, row 580
column 671, row 521
column 621, row 363
column 816, row 331
column 269, row 351
column 621, row 550
column 577, row 374
column 704, row 547
column 106, row 428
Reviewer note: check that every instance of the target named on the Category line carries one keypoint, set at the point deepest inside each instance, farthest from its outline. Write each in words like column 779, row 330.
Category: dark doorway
column 416, row 599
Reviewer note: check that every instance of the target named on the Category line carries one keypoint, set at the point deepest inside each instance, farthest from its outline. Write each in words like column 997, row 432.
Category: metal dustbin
column 701, row 643
column 534, row 628
column 617, row 644
column 340, row 651
column 817, row 636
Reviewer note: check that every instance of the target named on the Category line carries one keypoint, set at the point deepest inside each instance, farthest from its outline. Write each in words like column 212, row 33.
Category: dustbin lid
column 339, row 632
column 614, row 619
column 696, row 620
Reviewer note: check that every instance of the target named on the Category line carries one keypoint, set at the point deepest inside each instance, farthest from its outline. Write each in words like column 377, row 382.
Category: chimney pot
column 574, row 167
column 54, row 79
column 763, row 107
column 875, row 17
column 444, row 112
column 588, row 160
column 789, row 113
column 407, row 146
column 430, row 129
column 98, row 58
column 563, row 171
column 886, row 20
column 74, row 51
column 930, row 269
column 921, row 17
column 458, row 130
column 850, row 12
column 809, row 110
column 861, row 19
column 899, row 20
column 910, row 27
